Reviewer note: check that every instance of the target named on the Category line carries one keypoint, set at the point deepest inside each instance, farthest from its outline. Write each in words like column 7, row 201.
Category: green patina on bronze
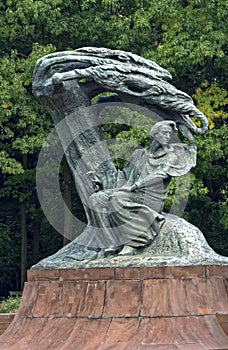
column 124, row 208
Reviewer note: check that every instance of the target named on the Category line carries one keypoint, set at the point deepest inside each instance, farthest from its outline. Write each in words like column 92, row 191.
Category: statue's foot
column 111, row 251
column 127, row 250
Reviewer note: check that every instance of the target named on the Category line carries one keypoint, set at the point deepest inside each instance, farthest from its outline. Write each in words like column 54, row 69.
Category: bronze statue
column 134, row 208
column 123, row 208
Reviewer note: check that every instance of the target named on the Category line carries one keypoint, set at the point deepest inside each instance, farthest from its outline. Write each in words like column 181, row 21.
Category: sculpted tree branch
column 132, row 77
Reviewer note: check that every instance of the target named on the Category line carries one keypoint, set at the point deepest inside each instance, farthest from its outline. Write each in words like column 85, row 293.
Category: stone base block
column 122, row 309
column 5, row 320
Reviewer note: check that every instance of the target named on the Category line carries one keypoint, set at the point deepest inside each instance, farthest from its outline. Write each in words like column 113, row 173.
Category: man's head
column 162, row 131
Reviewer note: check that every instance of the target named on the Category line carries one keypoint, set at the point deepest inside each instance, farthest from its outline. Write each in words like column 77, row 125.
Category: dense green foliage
column 11, row 304
column 189, row 38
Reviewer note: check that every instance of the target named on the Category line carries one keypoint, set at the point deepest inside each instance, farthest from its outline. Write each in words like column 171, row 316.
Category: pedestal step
column 122, row 309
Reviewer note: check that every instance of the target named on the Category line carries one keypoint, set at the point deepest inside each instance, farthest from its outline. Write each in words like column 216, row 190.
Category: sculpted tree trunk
column 68, row 200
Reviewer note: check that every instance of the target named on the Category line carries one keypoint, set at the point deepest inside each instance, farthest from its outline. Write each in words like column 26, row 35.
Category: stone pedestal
column 5, row 320
column 122, row 309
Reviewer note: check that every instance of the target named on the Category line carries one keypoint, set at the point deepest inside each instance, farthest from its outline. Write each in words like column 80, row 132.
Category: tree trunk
column 36, row 233
column 36, row 241
column 23, row 244
column 68, row 201
column 204, row 219
column 24, row 231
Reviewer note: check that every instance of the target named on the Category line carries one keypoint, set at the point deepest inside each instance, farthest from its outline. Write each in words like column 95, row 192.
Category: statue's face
column 164, row 135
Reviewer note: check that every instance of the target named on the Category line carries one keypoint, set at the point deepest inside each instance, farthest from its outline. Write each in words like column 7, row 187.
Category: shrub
column 11, row 304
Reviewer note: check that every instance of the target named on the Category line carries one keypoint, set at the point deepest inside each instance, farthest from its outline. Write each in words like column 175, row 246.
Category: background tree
column 189, row 38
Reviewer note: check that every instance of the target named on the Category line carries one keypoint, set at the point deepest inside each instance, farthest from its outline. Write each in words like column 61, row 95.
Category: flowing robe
column 133, row 209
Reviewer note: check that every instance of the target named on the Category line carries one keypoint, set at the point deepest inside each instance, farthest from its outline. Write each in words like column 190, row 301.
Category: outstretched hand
column 126, row 188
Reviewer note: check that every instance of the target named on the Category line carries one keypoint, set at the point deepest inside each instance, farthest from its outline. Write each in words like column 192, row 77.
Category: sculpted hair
column 156, row 127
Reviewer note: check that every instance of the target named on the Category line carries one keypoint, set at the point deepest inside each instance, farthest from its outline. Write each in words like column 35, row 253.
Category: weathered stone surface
column 215, row 292
column 160, row 298
column 161, row 272
column 5, row 320
column 188, row 242
column 117, row 298
column 160, row 308
column 223, row 321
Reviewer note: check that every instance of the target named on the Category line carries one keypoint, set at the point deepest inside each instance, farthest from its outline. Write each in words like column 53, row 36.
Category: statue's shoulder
column 183, row 147
column 181, row 158
column 183, row 151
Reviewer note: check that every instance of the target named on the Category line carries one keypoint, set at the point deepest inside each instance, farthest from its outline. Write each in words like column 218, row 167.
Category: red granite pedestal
column 122, row 309
column 5, row 320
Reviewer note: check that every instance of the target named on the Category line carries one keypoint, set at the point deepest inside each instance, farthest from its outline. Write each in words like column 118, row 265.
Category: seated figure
column 134, row 206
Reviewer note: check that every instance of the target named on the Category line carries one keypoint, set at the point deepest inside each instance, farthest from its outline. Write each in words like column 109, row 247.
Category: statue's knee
column 120, row 196
column 93, row 199
column 99, row 199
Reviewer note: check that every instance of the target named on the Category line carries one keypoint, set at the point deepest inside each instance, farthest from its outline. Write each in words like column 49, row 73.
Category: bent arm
column 151, row 179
